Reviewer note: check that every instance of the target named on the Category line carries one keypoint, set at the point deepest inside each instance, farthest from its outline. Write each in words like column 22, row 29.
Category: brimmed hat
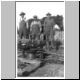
column 48, row 14
column 22, row 13
column 34, row 16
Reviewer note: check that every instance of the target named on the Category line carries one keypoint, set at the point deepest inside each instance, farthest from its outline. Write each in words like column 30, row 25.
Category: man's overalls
column 48, row 29
column 22, row 29
column 35, row 29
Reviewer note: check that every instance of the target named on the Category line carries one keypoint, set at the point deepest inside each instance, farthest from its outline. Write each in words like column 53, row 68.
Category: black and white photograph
column 40, row 39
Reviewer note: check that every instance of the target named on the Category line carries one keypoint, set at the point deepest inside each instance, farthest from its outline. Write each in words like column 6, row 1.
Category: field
column 51, row 66
column 35, row 60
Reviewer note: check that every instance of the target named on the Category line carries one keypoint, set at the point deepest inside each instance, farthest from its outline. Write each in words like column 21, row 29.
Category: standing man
column 22, row 26
column 48, row 28
column 35, row 28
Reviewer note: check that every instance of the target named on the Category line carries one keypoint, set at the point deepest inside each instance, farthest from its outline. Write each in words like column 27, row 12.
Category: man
column 22, row 26
column 35, row 28
column 48, row 28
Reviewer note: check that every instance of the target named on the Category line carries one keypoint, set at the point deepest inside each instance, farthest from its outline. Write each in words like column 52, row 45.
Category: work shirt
column 48, row 25
column 59, row 35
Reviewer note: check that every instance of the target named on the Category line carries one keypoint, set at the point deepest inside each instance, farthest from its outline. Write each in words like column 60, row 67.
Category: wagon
column 32, row 48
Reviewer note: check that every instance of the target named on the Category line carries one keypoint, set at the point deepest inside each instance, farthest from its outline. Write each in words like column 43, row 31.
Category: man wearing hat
column 22, row 26
column 48, row 27
column 35, row 28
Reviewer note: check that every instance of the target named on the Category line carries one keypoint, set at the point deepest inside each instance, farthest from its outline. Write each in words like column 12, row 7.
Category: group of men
column 36, row 28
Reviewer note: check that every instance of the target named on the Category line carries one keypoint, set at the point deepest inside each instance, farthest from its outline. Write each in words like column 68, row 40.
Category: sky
column 39, row 8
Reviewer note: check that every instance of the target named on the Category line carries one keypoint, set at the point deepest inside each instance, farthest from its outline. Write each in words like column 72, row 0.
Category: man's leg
column 20, row 34
column 47, row 41
column 24, row 33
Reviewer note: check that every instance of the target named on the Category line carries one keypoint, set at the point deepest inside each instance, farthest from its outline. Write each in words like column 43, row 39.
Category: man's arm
column 44, row 23
column 31, row 26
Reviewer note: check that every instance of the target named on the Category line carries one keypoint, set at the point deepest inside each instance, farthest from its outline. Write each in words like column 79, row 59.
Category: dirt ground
column 35, row 68
column 49, row 70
